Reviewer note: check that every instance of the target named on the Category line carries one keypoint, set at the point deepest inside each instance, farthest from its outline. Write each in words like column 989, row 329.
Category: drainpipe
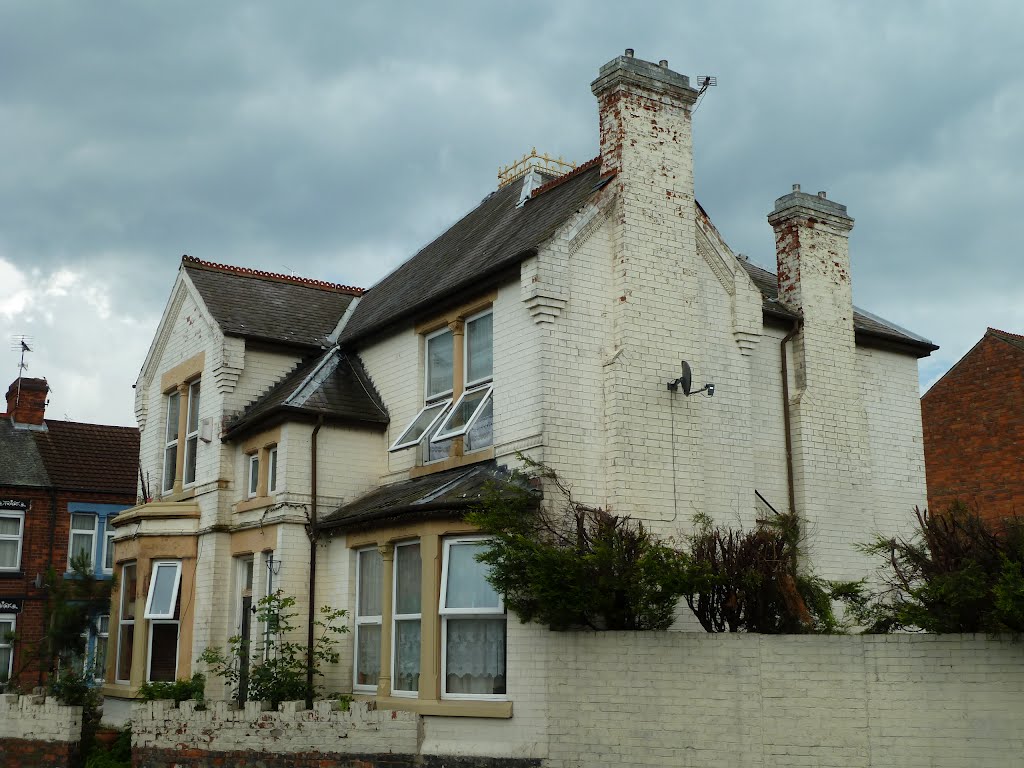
column 312, row 563
column 785, row 414
column 49, row 596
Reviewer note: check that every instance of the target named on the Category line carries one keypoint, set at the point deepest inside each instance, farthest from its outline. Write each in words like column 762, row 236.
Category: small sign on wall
column 11, row 604
column 16, row 504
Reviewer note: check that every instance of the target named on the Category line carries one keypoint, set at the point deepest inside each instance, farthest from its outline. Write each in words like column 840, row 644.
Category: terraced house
column 551, row 320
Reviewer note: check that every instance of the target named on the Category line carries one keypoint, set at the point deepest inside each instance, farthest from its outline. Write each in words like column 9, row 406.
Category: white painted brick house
column 547, row 321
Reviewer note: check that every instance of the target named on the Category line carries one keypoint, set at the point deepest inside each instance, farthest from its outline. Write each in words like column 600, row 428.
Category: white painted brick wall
column 359, row 730
column 36, row 718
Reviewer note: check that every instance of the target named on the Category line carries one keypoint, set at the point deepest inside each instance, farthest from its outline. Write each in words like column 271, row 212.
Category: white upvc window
column 479, row 349
column 84, row 530
column 253, row 480
column 126, row 623
column 99, row 666
column 407, row 605
column 173, row 403
column 473, row 625
column 8, row 622
column 440, row 364
column 192, row 433
column 272, row 469
column 163, row 589
column 162, row 612
column 368, row 620
column 12, row 529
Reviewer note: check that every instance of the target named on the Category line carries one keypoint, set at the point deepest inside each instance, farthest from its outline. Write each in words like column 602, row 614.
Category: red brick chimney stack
column 27, row 405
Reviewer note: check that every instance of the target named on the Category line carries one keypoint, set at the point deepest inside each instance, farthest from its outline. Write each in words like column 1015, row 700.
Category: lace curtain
column 475, row 661
column 368, row 654
column 407, row 655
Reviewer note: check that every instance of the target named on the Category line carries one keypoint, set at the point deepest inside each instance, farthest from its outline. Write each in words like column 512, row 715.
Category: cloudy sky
column 333, row 139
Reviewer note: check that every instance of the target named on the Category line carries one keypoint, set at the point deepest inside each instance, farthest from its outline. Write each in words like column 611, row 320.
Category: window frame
column 72, row 532
column 445, row 613
column 191, row 434
column 252, row 475
column 359, row 621
column 427, row 338
column 8, row 644
column 108, row 546
column 396, row 617
column 154, row 568
column 272, row 470
column 149, row 647
column 168, row 487
column 20, row 538
column 99, row 673
column 122, row 622
column 475, row 383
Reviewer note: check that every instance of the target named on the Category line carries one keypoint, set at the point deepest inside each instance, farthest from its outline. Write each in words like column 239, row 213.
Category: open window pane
column 440, row 364
column 479, row 349
column 475, row 656
column 163, row 590
column 467, row 586
column 421, row 425
column 463, row 414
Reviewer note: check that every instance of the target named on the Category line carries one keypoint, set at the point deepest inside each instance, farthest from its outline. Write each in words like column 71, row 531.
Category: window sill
column 446, row 708
column 254, row 503
column 484, row 454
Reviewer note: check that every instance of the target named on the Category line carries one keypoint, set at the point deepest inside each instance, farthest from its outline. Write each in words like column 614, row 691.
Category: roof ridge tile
column 566, row 176
column 271, row 276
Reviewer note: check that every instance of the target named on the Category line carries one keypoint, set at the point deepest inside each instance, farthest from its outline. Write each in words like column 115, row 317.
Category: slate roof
column 439, row 494
column 70, row 455
column 489, row 239
column 864, row 323
column 334, row 384
column 267, row 306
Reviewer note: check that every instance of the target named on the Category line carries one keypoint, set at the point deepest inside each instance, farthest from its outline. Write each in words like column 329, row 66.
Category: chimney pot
column 629, row 53
column 796, row 187
column 663, row 63
column 822, row 194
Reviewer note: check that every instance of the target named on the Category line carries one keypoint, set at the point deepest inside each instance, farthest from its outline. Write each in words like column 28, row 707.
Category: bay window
column 443, row 616
column 12, row 527
column 368, row 619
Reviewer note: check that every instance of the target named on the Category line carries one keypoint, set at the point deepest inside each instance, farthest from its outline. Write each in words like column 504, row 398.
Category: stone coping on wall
column 38, row 718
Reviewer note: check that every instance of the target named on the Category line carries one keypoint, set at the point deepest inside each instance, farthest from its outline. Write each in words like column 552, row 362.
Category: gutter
column 786, row 415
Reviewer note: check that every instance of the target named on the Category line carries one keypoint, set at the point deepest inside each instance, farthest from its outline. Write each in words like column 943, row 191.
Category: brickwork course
column 973, row 421
column 46, row 465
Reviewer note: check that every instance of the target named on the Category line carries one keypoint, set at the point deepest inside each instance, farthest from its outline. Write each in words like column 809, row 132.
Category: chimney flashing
column 627, row 70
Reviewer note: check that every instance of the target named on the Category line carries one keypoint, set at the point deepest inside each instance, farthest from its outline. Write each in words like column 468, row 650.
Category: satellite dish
column 686, row 378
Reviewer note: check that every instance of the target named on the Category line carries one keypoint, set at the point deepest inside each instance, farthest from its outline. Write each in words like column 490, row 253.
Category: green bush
column 277, row 669
column 119, row 756
column 956, row 573
column 179, row 690
column 570, row 565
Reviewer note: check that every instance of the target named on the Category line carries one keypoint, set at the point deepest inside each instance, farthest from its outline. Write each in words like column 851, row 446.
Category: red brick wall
column 973, row 422
column 22, row 753
column 35, row 559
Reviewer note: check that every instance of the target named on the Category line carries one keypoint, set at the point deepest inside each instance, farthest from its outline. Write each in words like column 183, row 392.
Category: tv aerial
column 703, row 83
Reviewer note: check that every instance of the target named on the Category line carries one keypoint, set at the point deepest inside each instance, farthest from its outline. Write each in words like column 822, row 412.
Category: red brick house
column 60, row 481
column 973, row 420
